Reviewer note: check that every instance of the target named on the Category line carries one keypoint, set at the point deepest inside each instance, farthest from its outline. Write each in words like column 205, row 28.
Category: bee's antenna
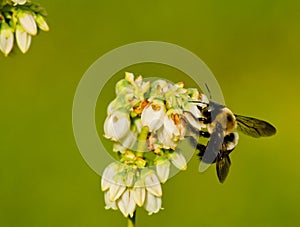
column 210, row 97
column 196, row 101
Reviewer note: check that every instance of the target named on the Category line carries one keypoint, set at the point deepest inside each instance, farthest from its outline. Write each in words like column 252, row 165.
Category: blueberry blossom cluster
column 19, row 21
column 146, row 121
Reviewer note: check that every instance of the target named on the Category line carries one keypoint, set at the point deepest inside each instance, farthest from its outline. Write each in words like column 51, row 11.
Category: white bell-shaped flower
column 108, row 175
column 23, row 39
column 170, row 126
column 139, row 192
column 129, row 140
column 20, row 2
column 116, row 189
column 166, row 139
column 108, row 203
column 192, row 120
column 152, row 203
column 153, row 115
column 152, row 183
column 127, row 204
column 116, row 125
column 28, row 23
column 163, row 170
column 178, row 160
column 6, row 39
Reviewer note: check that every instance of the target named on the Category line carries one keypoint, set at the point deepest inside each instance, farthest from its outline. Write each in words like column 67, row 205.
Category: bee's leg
column 201, row 148
column 204, row 120
column 204, row 134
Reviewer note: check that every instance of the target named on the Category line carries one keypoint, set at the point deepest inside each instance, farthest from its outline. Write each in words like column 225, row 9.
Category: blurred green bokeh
column 251, row 46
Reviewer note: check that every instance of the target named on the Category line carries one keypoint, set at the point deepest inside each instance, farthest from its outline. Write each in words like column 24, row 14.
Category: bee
column 221, row 124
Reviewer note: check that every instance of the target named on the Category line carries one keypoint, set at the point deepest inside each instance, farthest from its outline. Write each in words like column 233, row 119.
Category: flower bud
column 6, row 38
column 152, row 183
column 163, row 170
column 109, row 204
column 108, row 175
column 19, row 2
column 28, row 23
column 159, row 88
column 127, row 204
column 152, row 203
column 129, row 77
column 123, row 86
column 40, row 20
column 139, row 193
column 116, row 189
column 178, row 160
column 23, row 39
column 129, row 181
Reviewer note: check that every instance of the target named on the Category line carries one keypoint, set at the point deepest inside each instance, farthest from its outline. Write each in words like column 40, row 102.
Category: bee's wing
column 223, row 165
column 254, row 127
column 213, row 147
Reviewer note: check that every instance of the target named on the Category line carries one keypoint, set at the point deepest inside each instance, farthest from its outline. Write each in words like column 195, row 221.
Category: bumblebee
column 220, row 124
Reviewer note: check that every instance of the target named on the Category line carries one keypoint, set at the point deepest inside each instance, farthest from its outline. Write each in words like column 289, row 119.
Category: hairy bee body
column 221, row 124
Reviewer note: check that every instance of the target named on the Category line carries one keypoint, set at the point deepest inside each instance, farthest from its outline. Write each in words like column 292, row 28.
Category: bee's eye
column 229, row 118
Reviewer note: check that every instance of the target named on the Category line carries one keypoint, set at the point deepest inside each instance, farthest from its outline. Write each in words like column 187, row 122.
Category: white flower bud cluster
column 145, row 122
column 19, row 21
column 125, row 187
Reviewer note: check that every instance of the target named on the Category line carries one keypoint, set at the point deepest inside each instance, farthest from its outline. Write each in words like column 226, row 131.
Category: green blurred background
column 252, row 47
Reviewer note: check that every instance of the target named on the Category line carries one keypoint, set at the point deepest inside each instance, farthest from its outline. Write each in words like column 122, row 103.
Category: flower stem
column 142, row 141
column 131, row 220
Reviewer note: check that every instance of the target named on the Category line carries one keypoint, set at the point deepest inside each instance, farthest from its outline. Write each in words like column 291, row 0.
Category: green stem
column 142, row 141
column 131, row 221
